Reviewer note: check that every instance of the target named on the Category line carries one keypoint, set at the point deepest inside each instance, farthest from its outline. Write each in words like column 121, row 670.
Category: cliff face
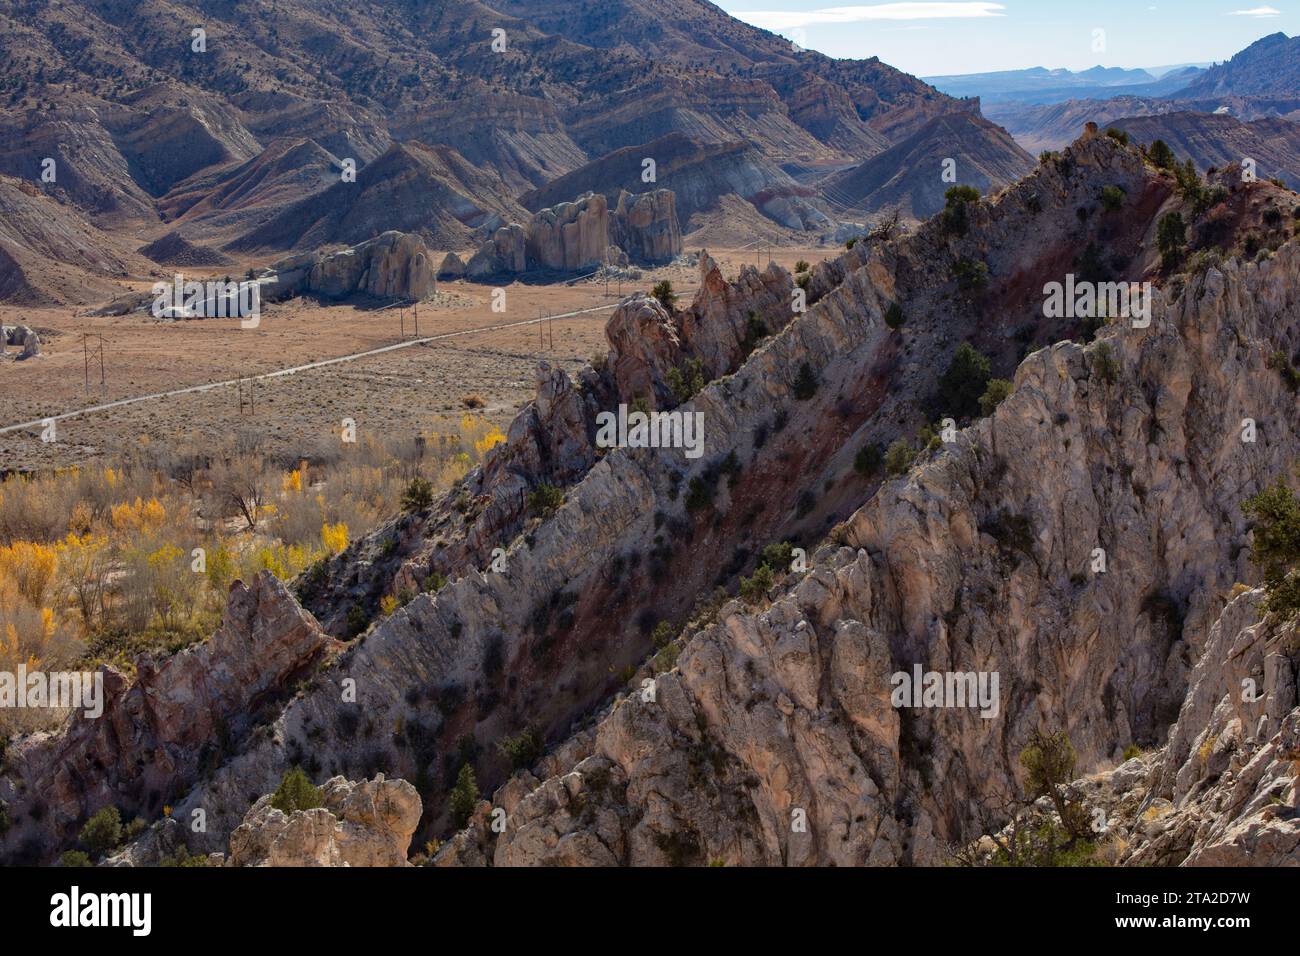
column 1224, row 791
column 981, row 559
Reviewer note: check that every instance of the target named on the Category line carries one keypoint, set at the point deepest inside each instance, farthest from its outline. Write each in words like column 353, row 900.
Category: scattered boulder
column 24, row 337
column 31, row 344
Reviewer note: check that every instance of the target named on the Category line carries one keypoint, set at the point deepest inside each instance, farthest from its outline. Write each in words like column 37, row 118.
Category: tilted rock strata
column 159, row 731
column 788, row 708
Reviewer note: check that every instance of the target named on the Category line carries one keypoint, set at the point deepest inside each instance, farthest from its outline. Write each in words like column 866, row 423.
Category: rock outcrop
column 453, row 267
column 645, row 226
column 574, row 236
column 393, row 265
column 570, row 236
column 358, row 824
column 981, row 558
column 505, row 252
column 1225, row 790
column 159, row 731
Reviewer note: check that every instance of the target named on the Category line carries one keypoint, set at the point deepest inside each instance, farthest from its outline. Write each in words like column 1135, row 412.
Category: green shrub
column 685, row 383
column 1171, row 239
column 805, row 383
column 869, row 459
column 777, row 556
column 971, row 274
column 545, row 498
column 463, row 797
column 755, row 587
column 699, row 494
column 1104, row 363
column 523, row 749
column 418, row 495
column 1282, row 365
column 663, row 291
column 1275, row 512
column 1131, row 751
column 899, row 458
column 357, row 621
column 1112, row 198
column 295, row 792
column 966, row 379
column 74, row 858
column 1118, row 135
column 894, row 315
column 663, row 633
column 802, row 266
column 955, row 218
column 997, row 391
column 1161, row 154
column 102, row 832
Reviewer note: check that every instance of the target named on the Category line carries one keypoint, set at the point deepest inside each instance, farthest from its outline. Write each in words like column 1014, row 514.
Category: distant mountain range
column 1041, row 85
column 1248, row 106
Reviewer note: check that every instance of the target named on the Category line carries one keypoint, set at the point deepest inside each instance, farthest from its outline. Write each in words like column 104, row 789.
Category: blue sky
column 929, row 39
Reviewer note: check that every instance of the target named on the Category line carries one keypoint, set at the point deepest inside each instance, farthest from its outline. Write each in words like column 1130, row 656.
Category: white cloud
column 1257, row 12
column 787, row 19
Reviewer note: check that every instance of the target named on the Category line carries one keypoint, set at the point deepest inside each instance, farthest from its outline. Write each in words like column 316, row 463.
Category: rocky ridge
column 978, row 561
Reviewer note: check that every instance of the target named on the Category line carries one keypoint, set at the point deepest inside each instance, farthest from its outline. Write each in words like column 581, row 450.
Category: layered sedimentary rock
column 358, row 824
column 160, row 730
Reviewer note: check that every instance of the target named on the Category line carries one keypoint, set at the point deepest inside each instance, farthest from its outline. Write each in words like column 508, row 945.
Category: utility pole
column 246, row 399
column 88, row 355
